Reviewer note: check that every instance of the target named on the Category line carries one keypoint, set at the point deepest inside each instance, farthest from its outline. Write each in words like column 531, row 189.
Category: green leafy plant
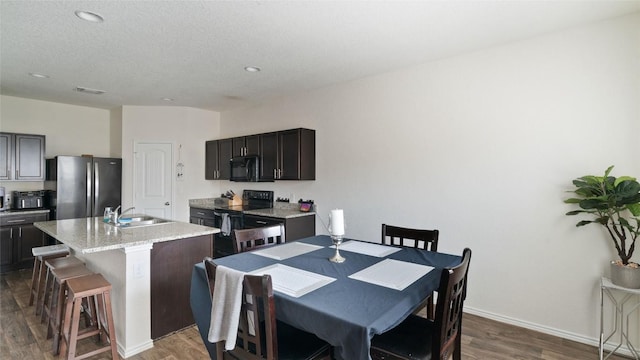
column 615, row 204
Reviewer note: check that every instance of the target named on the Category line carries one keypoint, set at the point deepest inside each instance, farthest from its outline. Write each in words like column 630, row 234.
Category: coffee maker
column 2, row 201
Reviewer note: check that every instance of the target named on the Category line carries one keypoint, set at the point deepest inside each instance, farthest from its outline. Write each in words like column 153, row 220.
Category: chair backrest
column 448, row 319
column 257, row 335
column 417, row 238
column 210, row 269
column 251, row 239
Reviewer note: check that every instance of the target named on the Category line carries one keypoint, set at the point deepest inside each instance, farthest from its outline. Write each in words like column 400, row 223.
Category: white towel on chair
column 225, row 306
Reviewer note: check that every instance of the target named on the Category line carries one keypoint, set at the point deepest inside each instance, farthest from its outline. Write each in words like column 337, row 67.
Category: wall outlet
column 138, row 271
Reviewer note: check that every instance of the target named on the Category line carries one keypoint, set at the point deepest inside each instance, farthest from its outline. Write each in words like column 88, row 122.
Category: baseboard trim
column 130, row 351
column 546, row 330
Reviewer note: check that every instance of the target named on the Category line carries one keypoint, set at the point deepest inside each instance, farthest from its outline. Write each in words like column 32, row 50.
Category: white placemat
column 393, row 274
column 370, row 249
column 286, row 251
column 292, row 281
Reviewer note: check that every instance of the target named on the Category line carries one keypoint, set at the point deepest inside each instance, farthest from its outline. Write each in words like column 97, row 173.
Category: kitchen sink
column 139, row 221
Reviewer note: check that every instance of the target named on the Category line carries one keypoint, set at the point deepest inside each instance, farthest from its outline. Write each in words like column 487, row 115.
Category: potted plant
column 615, row 204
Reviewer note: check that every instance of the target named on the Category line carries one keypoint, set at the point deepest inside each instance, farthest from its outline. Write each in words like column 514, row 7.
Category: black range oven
column 229, row 218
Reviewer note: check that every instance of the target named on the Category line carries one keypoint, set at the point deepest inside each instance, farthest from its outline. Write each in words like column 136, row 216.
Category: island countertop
column 90, row 235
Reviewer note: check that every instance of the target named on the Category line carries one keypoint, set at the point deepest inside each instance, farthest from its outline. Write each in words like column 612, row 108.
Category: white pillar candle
column 336, row 217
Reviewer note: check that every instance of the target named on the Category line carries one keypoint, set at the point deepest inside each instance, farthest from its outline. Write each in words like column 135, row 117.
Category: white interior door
column 153, row 187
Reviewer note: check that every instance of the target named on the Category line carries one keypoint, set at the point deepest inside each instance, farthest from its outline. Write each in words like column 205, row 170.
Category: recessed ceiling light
column 40, row 76
column 167, row 99
column 252, row 68
column 89, row 16
column 88, row 90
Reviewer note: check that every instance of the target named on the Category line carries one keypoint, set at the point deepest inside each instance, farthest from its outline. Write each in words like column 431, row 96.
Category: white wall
column 69, row 129
column 482, row 146
column 184, row 126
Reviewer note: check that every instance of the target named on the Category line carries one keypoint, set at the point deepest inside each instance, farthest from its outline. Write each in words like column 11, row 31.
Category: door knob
column 167, row 204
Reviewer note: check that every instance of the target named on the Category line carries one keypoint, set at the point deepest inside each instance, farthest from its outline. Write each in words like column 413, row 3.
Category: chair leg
column 34, row 278
column 431, row 312
column 46, row 297
column 457, row 351
column 111, row 326
column 41, row 283
column 56, row 318
column 66, row 326
column 73, row 335
column 101, row 320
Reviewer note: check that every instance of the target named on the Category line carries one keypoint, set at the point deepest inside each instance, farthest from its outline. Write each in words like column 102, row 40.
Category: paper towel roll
column 336, row 217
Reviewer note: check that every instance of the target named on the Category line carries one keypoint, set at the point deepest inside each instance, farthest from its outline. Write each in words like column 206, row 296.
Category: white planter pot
column 625, row 276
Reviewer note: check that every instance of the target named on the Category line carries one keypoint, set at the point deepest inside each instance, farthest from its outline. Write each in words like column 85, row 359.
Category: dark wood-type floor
column 23, row 337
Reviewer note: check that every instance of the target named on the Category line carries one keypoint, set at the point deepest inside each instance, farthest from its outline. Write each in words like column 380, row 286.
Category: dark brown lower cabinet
column 171, row 266
column 18, row 236
column 295, row 228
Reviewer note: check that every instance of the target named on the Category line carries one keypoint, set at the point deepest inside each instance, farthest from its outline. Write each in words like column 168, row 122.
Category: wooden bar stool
column 40, row 254
column 53, row 309
column 51, row 264
column 96, row 289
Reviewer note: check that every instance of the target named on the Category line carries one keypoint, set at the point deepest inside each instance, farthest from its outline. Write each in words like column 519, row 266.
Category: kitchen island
column 149, row 268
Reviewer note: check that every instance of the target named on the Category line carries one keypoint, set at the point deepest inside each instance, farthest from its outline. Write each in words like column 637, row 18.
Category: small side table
column 621, row 323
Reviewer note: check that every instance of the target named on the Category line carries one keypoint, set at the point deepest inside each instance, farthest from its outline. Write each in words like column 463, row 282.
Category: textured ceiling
column 194, row 51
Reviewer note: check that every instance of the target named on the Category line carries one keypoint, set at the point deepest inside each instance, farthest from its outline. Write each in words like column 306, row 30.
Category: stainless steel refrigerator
column 80, row 186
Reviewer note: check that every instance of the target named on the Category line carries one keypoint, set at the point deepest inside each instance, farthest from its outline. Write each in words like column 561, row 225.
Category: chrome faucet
column 124, row 211
column 114, row 215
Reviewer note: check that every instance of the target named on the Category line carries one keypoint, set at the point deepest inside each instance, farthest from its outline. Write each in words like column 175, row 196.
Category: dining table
column 345, row 304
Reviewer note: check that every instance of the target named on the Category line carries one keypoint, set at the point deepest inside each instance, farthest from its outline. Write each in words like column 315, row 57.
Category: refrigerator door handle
column 89, row 186
column 96, row 177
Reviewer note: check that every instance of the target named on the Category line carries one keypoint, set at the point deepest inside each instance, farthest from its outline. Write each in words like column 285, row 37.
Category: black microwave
column 245, row 168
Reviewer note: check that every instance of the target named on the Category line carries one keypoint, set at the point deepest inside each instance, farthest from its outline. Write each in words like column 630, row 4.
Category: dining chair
column 416, row 238
column 260, row 335
column 251, row 239
column 419, row 338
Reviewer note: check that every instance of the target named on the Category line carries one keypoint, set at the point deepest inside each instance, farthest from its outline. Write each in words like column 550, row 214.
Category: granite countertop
column 89, row 235
column 23, row 212
column 280, row 213
column 279, row 210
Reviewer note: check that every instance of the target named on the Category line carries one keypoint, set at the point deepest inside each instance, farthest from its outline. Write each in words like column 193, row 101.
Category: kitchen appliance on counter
column 28, row 199
column 3, row 206
column 82, row 186
column 230, row 217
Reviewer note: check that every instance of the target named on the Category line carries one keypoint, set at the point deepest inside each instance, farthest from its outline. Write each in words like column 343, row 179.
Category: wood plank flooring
column 23, row 337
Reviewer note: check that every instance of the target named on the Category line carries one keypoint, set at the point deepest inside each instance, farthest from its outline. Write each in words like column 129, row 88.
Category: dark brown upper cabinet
column 217, row 157
column 284, row 155
column 246, row 145
column 22, row 157
column 288, row 155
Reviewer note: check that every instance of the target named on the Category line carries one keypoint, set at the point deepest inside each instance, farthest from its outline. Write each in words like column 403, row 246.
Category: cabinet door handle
column 275, row 172
column 16, row 221
column 20, row 232
column 11, row 233
column 261, row 222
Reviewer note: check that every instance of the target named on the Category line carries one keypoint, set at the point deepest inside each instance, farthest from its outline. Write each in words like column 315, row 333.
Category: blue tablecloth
column 346, row 313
